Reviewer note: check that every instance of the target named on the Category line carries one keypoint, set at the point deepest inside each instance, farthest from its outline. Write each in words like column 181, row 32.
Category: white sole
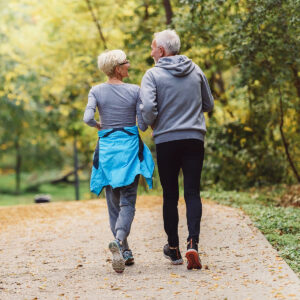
column 176, row 262
column 118, row 263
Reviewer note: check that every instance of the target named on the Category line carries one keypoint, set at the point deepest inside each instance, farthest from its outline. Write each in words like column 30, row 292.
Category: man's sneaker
column 118, row 262
column 128, row 257
column 192, row 255
column 173, row 254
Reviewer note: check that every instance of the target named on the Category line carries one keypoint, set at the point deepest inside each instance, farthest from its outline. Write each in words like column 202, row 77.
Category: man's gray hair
column 168, row 39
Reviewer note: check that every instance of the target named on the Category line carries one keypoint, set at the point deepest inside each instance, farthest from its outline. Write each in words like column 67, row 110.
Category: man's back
column 174, row 94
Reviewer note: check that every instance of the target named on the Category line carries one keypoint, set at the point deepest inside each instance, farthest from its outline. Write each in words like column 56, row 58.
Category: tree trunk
column 18, row 166
column 286, row 146
column 220, row 83
column 97, row 23
column 251, row 112
column 169, row 12
column 76, row 183
column 296, row 80
column 146, row 5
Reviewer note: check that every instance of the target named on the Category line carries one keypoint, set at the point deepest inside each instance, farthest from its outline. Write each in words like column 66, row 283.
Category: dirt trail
column 59, row 251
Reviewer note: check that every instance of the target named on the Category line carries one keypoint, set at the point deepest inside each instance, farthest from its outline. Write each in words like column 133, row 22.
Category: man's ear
column 162, row 51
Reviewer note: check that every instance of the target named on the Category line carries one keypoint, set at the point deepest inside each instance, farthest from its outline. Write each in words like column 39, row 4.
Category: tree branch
column 96, row 22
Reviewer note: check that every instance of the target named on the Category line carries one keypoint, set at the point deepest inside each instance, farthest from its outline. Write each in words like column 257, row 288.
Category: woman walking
column 120, row 156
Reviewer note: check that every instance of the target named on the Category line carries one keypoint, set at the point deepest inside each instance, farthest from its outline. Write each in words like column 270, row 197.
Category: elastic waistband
column 179, row 135
column 130, row 130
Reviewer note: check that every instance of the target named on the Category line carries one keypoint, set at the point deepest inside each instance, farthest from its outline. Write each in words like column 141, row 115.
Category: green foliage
column 265, row 44
column 249, row 51
column 236, row 159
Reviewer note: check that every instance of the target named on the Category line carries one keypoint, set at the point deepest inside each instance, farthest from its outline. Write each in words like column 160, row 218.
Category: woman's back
column 118, row 106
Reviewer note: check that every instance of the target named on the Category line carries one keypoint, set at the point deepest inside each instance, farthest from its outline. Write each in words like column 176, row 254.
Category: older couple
column 172, row 98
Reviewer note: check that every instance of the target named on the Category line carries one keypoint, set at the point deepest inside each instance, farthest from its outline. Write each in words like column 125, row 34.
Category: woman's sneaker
column 192, row 255
column 128, row 257
column 118, row 262
column 173, row 254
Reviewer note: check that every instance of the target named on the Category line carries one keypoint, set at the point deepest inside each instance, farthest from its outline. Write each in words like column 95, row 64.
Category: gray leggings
column 121, row 209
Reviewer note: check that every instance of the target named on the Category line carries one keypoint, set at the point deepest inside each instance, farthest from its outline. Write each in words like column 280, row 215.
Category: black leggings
column 171, row 157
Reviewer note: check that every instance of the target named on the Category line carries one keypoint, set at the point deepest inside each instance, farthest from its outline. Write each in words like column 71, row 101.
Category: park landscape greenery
column 249, row 51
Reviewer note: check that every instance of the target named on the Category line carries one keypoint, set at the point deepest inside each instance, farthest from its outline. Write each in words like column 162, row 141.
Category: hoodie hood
column 177, row 65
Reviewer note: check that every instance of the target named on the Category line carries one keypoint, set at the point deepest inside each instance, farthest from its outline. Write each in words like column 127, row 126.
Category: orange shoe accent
column 193, row 259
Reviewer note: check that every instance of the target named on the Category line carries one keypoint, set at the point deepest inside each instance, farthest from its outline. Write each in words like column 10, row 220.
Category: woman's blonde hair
column 108, row 60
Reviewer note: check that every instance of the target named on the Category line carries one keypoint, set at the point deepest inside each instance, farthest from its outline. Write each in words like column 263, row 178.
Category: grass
column 280, row 225
column 58, row 192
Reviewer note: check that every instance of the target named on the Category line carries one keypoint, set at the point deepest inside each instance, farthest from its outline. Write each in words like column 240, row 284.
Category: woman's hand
column 98, row 126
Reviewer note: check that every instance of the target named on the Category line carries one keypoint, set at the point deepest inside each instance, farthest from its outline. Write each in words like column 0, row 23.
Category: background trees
column 249, row 51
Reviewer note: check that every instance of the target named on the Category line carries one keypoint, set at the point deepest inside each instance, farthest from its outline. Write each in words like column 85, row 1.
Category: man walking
column 174, row 95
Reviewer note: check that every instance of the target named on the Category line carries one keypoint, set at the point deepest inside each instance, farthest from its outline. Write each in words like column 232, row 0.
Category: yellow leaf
column 242, row 142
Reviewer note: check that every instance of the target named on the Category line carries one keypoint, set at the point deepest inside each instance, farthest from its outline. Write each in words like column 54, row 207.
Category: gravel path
column 59, row 251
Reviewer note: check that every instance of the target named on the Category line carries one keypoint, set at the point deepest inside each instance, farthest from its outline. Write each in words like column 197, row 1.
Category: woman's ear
column 117, row 70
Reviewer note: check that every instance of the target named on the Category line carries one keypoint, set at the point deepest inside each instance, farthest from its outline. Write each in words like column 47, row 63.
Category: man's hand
column 152, row 127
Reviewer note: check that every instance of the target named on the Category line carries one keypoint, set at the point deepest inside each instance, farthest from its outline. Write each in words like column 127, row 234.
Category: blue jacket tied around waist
column 120, row 155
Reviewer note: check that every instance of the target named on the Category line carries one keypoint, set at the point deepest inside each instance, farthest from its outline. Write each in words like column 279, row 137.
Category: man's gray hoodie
column 174, row 95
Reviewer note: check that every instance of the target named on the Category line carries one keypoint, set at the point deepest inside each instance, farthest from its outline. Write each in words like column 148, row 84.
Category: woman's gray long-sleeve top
column 118, row 106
